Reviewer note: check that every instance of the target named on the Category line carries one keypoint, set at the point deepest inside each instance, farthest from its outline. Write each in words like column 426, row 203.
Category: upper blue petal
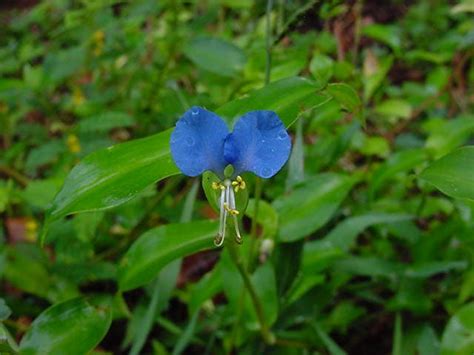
column 197, row 142
column 259, row 143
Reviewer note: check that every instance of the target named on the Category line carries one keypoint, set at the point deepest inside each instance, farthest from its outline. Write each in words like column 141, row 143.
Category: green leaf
column 419, row 55
column 216, row 55
column 105, row 122
column 265, row 286
column 398, row 162
column 428, row 342
column 387, row 34
column 40, row 193
column 374, row 77
column 159, row 246
column 428, row 269
column 287, row 97
column 162, row 291
column 26, row 269
column 321, row 67
column 72, row 327
column 310, row 206
column 397, row 336
column 5, row 311
column 394, row 108
column 458, row 336
column 344, row 234
column 330, row 344
column 368, row 266
column 346, row 96
column 7, row 342
column 208, row 286
column 453, row 173
column 287, row 262
column 296, row 161
column 112, row 176
column 267, row 217
column 447, row 135
column 164, row 283
column 188, row 333
column 59, row 65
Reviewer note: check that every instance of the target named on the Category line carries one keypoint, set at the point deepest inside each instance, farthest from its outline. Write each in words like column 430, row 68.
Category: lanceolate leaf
column 345, row 95
column 71, row 327
column 215, row 55
column 112, row 176
column 287, row 97
column 453, row 174
column 310, row 206
column 458, row 336
column 161, row 245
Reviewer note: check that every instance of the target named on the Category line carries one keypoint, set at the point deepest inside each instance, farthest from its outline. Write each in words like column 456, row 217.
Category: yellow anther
column 230, row 210
column 217, row 186
column 238, row 184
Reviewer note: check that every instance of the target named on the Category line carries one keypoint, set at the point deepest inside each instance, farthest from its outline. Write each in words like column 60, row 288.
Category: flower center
column 227, row 207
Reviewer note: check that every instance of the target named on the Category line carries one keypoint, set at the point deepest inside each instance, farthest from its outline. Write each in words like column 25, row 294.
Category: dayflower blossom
column 201, row 141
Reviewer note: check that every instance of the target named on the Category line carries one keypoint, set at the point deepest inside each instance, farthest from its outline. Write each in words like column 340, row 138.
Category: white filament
column 238, row 237
column 227, row 204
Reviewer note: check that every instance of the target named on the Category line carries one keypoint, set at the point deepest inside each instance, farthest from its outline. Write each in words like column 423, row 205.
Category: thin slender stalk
column 18, row 177
column 234, row 251
column 268, row 41
column 236, row 257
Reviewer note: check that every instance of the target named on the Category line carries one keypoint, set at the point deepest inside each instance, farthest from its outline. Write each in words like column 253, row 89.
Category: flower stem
column 236, row 257
column 233, row 248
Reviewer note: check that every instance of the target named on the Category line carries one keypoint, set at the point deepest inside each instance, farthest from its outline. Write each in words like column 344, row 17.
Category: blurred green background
column 349, row 251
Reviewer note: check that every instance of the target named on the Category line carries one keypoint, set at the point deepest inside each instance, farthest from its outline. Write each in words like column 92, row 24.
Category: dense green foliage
column 362, row 244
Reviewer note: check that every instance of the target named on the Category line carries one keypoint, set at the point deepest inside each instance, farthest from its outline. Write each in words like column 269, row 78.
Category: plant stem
column 234, row 251
column 236, row 257
column 268, row 41
column 18, row 177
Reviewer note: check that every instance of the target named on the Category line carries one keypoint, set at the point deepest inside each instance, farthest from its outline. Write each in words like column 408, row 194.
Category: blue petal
column 197, row 142
column 259, row 143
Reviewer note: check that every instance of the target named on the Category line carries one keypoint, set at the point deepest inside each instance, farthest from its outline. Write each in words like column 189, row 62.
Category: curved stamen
column 238, row 237
column 219, row 240
column 228, row 206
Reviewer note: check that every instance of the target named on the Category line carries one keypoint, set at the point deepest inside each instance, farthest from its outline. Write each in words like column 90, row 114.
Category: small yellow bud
column 78, row 97
column 98, row 36
column 3, row 107
column 73, row 143
column 31, row 229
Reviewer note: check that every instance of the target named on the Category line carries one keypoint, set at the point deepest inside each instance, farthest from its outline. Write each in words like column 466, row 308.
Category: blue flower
column 201, row 141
